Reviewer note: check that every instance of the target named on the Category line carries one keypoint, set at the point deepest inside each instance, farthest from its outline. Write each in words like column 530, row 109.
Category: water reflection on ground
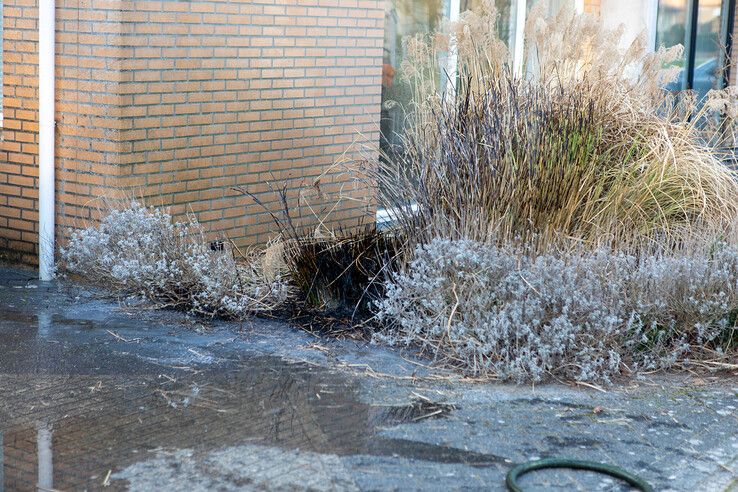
column 68, row 432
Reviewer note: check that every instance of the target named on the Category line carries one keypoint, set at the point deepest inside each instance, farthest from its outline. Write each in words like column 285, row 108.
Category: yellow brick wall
column 86, row 115
column 221, row 94
column 178, row 102
column 592, row 6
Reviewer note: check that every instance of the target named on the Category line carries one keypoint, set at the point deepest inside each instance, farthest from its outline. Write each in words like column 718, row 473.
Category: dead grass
column 585, row 145
column 336, row 272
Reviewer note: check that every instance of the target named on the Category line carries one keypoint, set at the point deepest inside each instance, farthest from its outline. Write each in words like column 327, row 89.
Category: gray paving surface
column 101, row 395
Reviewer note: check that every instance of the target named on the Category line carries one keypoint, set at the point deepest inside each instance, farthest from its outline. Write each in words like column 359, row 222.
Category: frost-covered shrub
column 585, row 315
column 139, row 250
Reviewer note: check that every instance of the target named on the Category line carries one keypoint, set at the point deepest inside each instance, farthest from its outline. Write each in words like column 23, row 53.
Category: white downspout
column 46, row 195
column 521, row 12
column 651, row 23
column 452, row 69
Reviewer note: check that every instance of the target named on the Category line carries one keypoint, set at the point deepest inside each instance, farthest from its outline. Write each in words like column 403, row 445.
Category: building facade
column 179, row 102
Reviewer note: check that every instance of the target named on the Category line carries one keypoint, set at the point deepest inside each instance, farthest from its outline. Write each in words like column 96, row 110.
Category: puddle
column 76, row 430
column 83, row 400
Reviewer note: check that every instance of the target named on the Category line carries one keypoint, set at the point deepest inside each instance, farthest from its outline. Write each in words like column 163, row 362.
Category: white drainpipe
column 521, row 11
column 452, row 62
column 46, row 195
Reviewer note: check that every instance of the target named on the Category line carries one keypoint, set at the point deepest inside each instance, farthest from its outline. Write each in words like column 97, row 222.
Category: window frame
column 727, row 23
column 727, row 27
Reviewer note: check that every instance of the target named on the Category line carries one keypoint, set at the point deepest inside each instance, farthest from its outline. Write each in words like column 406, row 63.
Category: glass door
column 704, row 28
column 707, row 47
column 407, row 18
column 671, row 30
column 403, row 18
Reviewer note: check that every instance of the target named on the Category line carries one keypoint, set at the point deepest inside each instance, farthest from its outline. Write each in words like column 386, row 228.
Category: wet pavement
column 101, row 395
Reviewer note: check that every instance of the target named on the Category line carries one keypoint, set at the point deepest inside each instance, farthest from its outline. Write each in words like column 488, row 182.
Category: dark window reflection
column 707, row 47
column 402, row 18
column 405, row 18
column 672, row 30
column 671, row 25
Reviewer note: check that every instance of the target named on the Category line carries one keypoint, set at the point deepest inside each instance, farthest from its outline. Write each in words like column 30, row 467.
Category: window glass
column 505, row 23
column 402, row 18
column 410, row 17
column 552, row 7
column 707, row 47
column 671, row 28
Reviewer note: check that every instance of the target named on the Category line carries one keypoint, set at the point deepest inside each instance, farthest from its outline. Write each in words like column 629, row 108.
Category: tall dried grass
column 585, row 144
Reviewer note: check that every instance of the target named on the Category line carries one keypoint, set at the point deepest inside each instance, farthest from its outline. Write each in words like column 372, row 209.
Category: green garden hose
column 613, row 471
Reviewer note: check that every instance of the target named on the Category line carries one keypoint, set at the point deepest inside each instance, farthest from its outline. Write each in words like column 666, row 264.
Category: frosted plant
column 139, row 250
column 581, row 315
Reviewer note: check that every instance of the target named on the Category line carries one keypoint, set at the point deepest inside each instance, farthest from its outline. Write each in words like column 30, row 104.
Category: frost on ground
column 585, row 315
column 248, row 467
column 140, row 251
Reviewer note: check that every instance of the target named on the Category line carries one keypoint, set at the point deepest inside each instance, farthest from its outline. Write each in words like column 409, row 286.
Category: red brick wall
column 178, row 102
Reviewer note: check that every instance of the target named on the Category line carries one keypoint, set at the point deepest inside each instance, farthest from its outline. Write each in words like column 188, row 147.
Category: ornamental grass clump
column 588, row 315
column 581, row 141
column 141, row 251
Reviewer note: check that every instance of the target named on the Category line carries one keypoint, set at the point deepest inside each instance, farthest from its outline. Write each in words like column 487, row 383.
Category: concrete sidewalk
column 99, row 395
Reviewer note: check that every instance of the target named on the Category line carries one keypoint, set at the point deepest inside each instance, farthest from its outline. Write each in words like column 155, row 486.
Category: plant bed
column 575, row 315
column 574, row 222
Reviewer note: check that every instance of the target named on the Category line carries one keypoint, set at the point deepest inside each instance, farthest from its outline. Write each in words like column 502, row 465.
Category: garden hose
column 613, row 471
